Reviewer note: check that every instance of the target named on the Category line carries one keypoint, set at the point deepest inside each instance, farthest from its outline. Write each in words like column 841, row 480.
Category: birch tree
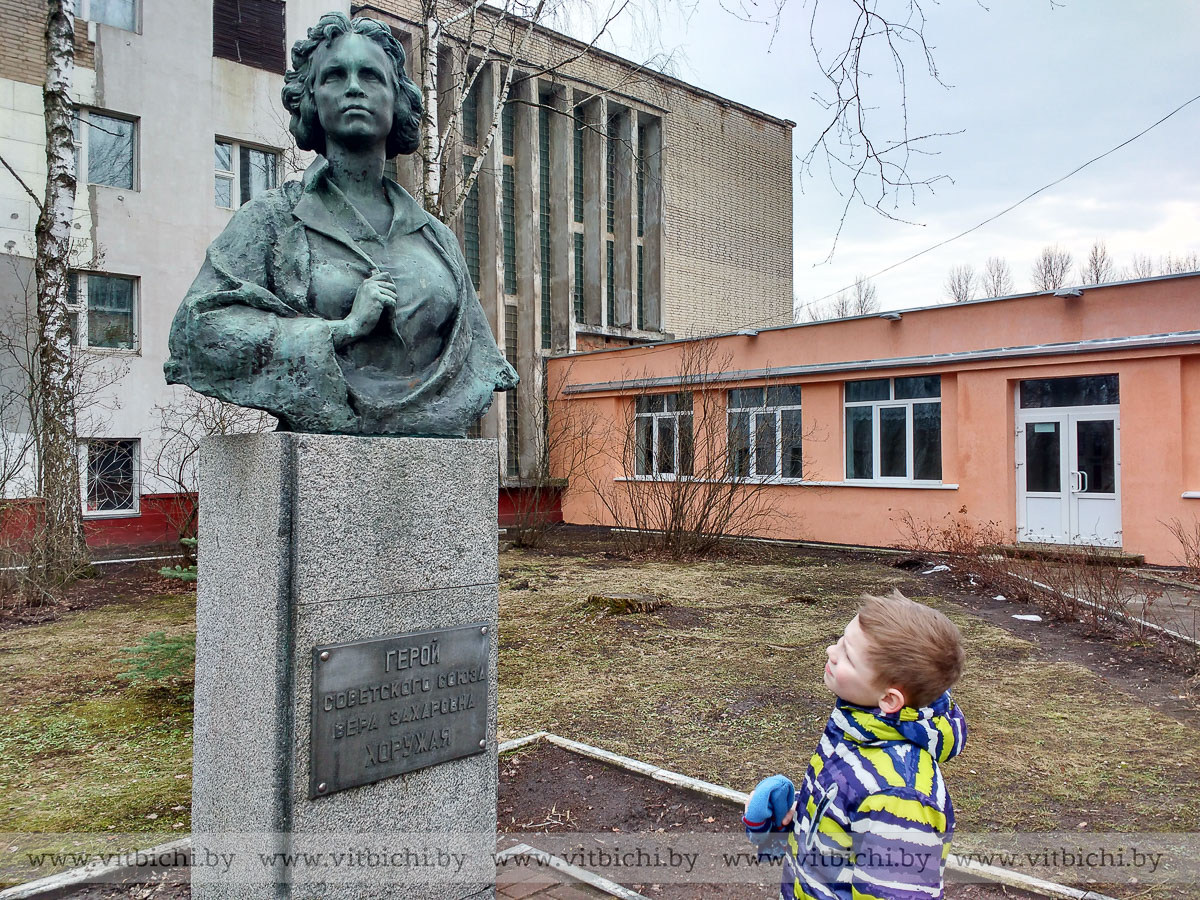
column 61, row 550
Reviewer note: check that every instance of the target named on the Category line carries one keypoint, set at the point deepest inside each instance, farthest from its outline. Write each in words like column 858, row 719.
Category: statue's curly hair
column 405, row 135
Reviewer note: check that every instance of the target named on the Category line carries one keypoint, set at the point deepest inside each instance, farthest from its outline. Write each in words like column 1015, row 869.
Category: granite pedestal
column 312, row 540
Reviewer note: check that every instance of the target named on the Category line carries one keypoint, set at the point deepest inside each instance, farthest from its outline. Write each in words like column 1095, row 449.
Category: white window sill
column 792, row 482
column 897, row 485
column 111, row 513
column 113, row 351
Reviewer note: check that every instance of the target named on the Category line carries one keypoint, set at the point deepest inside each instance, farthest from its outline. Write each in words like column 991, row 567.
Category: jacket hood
column 939, row 728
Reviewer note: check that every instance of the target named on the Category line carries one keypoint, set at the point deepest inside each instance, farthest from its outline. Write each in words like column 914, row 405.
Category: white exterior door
column 1068, row 476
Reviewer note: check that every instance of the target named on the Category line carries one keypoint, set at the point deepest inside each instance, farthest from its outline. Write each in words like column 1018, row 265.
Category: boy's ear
column 893, row 701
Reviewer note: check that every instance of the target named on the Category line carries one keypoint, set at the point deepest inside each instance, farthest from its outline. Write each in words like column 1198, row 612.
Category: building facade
column 614, row 206
column 1069, row 418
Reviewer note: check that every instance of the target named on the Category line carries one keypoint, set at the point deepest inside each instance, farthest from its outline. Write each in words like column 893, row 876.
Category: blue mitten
column 769, row 803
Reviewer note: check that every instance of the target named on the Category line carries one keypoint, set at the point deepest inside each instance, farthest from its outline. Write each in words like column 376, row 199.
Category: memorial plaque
column 384, row 706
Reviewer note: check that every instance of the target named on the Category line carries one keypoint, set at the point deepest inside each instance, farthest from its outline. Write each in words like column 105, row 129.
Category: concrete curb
column 955, row 863
column 58, row 885
column 574, row 872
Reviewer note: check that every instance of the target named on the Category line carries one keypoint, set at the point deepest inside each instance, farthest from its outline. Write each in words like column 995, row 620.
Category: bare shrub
column 1188, row 536
column 678, row 490
column 184, row 423
column 1078, row 584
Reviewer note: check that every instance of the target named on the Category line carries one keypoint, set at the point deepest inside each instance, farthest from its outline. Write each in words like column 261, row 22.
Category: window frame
column 656, row 417
column 80, row 122
column 85, row 12
column 78, row 292
column 236, row 175
column 877, row 406
column 753, row 412
column 85, row 450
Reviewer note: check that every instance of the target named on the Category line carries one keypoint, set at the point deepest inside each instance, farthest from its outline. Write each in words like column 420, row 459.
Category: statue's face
column 352, row 87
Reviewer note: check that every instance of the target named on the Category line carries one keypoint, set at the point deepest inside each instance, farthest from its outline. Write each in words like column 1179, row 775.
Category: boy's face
column 848, row 672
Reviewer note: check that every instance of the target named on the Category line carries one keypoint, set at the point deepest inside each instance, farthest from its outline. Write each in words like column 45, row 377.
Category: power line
column 1007, row 209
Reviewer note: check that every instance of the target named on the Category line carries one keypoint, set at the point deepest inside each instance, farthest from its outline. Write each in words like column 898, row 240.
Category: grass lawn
column 724, row 683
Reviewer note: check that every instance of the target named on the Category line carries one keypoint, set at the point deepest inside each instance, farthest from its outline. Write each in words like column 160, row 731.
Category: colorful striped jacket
column 873, row 819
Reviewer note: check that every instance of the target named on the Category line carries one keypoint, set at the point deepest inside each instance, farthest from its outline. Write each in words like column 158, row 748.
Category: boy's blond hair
column 911, row 646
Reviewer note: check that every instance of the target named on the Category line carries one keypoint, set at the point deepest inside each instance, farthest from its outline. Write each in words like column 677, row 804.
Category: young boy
column 872, row 818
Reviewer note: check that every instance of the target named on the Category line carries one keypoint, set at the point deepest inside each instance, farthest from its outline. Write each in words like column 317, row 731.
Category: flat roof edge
column 1101, row 345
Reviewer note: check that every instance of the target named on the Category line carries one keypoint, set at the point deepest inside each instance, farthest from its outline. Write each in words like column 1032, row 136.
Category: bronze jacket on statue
column 254, row 327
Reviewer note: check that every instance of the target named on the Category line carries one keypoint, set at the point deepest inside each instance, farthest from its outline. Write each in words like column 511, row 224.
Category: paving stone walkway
column 514, row 885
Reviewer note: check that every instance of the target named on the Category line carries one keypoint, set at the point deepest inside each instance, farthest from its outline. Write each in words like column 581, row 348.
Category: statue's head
column 298, row 84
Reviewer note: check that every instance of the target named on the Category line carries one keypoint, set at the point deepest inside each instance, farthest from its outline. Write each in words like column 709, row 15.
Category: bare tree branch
column 1051, row 268
column 996, row 280
column 862, row 165
column 960, row 283
column 21, row 182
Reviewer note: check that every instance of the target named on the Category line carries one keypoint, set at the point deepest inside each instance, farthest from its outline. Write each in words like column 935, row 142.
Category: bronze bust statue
column 337, row 303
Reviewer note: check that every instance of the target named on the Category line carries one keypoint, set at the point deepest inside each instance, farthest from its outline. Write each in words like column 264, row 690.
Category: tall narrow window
column 641, row 181
column 577, row 167
column 578, row 298
column 470, row 117
column 508, row 129
column 610, row 173
column 610, row 281
column 512, row 422
column 508, row 221
column 544, row 215
column 641, row 287
column 471, row 224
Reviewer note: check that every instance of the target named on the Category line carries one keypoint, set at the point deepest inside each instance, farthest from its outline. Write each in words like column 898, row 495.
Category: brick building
column 616, row 205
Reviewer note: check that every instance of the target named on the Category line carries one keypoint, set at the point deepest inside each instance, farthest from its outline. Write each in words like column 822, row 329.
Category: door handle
column 1074, row 482
column 1083, row 482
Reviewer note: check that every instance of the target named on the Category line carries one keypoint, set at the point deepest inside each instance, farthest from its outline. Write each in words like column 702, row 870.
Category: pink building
column 1062, row 418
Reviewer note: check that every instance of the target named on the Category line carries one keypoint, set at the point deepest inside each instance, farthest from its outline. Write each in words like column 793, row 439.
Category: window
column 109, row 303
column 110, row 476
column 508, row 224
column 765, row 432
column 544, row 214
column 512, row 420
column 470, row 214
column 1080, row 390
column 105, row 149
column 894, row 429
column 663, row 435
column 117, row 13
column 251, row 32
column 242, row 173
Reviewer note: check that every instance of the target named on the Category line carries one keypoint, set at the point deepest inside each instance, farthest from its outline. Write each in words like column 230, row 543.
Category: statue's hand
column 374, row 295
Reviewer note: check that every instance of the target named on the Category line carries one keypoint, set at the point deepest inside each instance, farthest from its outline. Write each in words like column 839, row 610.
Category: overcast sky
column 1036, row 90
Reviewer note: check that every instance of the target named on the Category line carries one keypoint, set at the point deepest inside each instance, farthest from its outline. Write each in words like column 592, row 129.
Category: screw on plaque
column 483, row 630
column 483, row 744
column 324, row 656
column 322, row 787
